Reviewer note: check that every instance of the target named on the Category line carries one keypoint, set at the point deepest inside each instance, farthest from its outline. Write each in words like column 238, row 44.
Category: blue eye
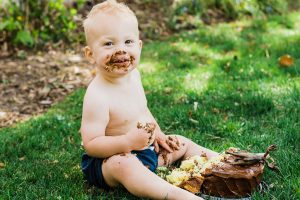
column 128, row 41
column 108, row 44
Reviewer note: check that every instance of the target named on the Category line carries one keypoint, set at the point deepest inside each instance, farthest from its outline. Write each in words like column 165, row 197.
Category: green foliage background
column 30, row 23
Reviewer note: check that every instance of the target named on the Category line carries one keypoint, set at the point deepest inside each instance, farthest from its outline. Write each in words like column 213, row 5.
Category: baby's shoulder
column 95, row 107
column 94, row 93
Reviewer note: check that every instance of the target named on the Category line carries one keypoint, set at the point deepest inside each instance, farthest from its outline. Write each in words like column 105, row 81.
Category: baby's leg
column 140, row 181
column 187, row 149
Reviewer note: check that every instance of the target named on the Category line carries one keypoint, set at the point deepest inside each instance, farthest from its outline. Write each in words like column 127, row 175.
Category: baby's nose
column 120, row 52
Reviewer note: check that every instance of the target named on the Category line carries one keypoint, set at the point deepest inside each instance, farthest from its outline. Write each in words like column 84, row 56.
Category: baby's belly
column 120, row 124
column 122, row 127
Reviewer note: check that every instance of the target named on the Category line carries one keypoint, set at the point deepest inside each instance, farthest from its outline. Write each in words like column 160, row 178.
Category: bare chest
column 126, row 108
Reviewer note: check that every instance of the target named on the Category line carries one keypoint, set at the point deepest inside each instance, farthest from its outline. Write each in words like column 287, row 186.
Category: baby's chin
column 119, row 71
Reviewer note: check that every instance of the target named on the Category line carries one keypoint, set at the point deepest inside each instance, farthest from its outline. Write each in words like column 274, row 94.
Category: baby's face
column 114, row 44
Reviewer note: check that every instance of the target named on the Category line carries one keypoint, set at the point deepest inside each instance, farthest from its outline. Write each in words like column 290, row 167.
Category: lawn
column 230, row 70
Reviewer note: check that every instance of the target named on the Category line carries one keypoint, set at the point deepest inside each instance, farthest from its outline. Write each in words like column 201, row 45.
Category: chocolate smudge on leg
column 164, row 155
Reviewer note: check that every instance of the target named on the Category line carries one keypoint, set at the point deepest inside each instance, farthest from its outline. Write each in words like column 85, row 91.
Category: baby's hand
column 141, row 136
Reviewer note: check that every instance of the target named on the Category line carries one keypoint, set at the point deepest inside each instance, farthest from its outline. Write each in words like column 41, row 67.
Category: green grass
column 244, row 100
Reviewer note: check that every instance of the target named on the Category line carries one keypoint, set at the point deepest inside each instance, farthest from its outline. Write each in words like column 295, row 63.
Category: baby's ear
column 89, row 54
column 141, row 43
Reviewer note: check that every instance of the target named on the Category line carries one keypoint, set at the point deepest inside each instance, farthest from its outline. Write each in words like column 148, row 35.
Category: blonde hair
column 109, row 7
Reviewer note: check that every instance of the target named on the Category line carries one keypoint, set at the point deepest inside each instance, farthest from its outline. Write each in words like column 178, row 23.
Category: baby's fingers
column 173, row 142
column 150, row 138
column 166, row 146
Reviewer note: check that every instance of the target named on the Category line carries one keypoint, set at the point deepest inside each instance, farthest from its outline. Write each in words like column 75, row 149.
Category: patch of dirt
column 29, row 86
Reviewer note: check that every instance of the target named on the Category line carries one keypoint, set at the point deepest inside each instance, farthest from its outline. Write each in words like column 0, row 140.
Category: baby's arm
column 161, row 139
column 95, row 117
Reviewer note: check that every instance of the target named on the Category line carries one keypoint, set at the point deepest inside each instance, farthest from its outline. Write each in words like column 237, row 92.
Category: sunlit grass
column 197, row 82
column 149, row 67
column 230, row 70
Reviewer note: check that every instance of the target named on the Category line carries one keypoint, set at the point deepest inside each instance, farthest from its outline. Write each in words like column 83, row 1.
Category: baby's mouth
column 119, row 60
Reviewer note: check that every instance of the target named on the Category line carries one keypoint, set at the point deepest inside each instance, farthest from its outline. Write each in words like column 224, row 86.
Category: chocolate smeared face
column 114, row 44
column 119, row 60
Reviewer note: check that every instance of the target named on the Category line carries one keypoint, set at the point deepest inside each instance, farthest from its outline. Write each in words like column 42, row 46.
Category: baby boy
column 123, row 142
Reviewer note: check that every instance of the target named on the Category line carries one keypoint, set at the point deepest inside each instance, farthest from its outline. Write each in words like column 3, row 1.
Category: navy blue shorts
column 92, row 167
